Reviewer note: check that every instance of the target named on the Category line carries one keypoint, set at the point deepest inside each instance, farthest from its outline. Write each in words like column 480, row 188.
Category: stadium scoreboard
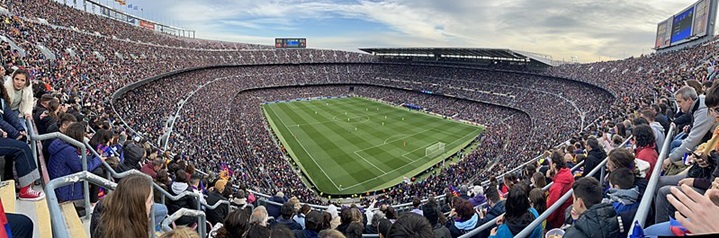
column 290, row 43
column 689, row 24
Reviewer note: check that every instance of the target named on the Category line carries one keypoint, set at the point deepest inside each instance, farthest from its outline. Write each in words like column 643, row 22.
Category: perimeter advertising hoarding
column 147, row 24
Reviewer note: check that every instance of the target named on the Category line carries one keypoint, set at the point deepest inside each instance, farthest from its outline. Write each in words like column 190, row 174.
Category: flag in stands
column 4, row 226
column 454, row 190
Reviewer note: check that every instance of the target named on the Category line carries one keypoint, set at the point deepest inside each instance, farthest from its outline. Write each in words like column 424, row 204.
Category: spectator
column 275, row 210
column 20, row 93
column 591, row 217
column 347, row 217
column 258, row 224
column 313, row 225
column 20, row 225
column 11, row 133
column 698, row 214
column 354, row 230
column 478, row 197
column 214, row 196
column 126, row 211
column 464, row 218
column 64, row 161
column 496, row 208
column 331, row 233
column 538, row 199
column 644, row 140
column 694, row 105
column 335, row 217
column 152, row 167
column 178, row 187
column 281, row 231
column 657, row 129
column 436, row 220
column 538, row 180
column 286, row 217
column 411, row 225
column 416, row 203
column 623, row 195
column 595, row 156
column 181, row 232
column 519, row 215
column 301, row 214
column 563, row 180
column 235, row 223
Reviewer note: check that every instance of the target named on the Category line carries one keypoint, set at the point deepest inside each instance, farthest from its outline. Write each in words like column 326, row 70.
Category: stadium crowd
column 526, row 115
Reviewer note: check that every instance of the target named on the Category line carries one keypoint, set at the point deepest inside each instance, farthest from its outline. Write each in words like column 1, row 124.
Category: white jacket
column 27, row 100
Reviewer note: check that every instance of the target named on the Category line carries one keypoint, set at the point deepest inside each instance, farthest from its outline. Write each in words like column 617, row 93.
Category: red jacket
column 648, row 154
column 563, row 181
column 149, row 170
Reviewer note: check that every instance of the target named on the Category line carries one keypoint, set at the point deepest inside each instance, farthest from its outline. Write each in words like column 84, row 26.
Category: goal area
column 434, row 150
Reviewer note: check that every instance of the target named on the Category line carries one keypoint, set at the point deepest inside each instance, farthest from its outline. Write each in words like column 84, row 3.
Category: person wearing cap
column 313, row 225
column 213, row 196
column 134, row 155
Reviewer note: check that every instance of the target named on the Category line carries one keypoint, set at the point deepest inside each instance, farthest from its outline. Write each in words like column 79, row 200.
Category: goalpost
column 434, row 150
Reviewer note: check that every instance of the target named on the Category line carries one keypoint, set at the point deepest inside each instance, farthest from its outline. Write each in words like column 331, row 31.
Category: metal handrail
column 530, row 228
column 59, row 229
column 646, row 202
column 163, row 192
column 41, row 165
column 34, row 138
column 184, row 212
column 549, row 210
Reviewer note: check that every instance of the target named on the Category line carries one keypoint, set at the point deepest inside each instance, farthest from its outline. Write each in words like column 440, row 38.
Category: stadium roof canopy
column 463, row 53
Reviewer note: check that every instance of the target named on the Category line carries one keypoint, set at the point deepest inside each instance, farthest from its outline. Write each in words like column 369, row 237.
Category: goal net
column 434, row 150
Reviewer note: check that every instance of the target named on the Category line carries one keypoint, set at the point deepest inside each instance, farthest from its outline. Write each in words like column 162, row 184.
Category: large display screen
column 682, row 25
column 701, row 17
column 664, row 34
column 290, row 43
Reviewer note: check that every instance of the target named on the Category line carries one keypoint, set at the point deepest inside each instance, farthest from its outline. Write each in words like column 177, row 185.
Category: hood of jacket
column 656, row 126
column 564, row 176
column 477, row 200
column 624, row 196
column 468, row 224
column 178, row 188
column 332, row 210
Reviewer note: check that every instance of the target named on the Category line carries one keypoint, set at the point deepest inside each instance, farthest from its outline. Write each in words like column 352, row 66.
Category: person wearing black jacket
column 178, row 187
column 218, row 214
column 595, row 156
column 286, row 217
column 592, row 218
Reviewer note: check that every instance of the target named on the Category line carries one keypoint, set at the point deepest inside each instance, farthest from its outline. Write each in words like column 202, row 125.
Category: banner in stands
column 147, row 24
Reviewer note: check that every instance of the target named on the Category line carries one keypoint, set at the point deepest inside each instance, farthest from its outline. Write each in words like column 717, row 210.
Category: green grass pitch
column 355, row 145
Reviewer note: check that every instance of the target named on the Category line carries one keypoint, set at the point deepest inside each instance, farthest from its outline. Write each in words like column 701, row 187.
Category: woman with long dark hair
column 518, row 214
column 126, row 211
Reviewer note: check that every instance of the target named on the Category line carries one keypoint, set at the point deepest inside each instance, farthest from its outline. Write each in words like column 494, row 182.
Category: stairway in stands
column 36, row 210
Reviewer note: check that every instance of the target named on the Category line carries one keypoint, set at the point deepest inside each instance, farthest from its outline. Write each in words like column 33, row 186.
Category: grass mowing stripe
column 388, row 148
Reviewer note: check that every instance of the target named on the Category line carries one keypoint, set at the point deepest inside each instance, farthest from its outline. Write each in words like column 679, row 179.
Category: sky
column 580, row 29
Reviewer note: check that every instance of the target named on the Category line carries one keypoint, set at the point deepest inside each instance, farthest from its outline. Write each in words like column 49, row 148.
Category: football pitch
column 355, row 145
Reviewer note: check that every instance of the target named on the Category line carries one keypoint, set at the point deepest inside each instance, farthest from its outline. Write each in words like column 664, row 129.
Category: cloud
column 582, row 28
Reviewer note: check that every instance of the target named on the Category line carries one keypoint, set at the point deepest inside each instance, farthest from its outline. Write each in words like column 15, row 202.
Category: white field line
column 305, row 149
column 413, row 161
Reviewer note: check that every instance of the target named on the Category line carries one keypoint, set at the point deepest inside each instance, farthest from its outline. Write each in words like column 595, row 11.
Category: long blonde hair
column 125, row 212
